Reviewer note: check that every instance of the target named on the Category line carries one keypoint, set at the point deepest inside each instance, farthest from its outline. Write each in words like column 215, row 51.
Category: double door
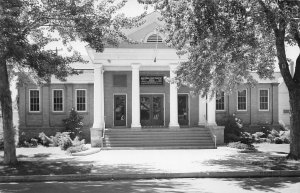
column 152, row 110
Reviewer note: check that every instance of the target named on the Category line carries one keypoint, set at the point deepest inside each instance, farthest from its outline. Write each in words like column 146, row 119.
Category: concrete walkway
column 42, row 164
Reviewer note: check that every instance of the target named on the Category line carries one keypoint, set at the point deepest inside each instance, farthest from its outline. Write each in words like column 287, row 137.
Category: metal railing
column 213, row 136
column 103, row 134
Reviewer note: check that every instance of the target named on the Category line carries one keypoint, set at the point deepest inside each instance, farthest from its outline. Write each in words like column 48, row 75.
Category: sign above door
column 151, row 80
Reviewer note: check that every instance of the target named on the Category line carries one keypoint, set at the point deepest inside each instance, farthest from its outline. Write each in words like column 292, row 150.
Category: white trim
column 164, row 103
column 222, row 110
column 86, row 100
column 237, row 100
column 259, row 99
column 63, row 100
column 39, row 100
column 114, row 108
column 154, row 33
column 189, row 105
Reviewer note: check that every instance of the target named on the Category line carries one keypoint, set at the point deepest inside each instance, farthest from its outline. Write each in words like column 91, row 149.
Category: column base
column 202, row 124
column 136, row 127
column 211, row 124
column 174, row 126
column 96, row 137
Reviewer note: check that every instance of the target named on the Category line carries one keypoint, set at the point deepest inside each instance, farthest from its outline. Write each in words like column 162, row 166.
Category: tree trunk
column 295, row 124
column 6, row 104
column 294, row 93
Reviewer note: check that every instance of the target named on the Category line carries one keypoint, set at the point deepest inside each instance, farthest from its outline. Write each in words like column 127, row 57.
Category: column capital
column 173, row 66
column 99, row 67
column 135, row 65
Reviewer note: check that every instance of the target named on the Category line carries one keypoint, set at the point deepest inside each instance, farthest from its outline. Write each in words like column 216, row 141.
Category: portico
column 135, row 87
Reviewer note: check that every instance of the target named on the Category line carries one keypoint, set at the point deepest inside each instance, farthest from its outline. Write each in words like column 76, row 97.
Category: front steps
column 158, row 138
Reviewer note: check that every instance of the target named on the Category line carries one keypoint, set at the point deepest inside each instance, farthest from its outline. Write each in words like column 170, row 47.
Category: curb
column 106, row 177
column 87, row 152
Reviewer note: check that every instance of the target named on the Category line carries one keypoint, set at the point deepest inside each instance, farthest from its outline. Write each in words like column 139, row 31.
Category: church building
column 127, row 102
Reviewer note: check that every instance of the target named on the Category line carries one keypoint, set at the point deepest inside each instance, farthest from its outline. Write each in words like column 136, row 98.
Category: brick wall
column 252, row 116
column 50, row 122
column 32, row 123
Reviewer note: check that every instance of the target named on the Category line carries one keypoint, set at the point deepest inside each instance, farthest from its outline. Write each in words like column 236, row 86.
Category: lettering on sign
column 151, row 80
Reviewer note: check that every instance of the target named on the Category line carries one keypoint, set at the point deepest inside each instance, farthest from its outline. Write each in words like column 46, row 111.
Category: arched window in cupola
column 154, row 38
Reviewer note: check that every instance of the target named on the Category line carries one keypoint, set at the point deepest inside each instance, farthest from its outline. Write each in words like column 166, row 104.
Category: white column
column 211, row 111
column 98, row 98
column 202, row 111
column 173, row 99
column 135, row 123
column 98, row 125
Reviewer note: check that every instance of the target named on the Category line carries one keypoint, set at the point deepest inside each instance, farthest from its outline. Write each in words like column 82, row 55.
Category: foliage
column 240, row 145
column 77, row 142
column 77, row 148
column 44, row 139
column 1, row 144
column 227, row 41
column 233, row 129
column 28, row 26
column 63, row 140
column 73, row 124
column 246, row 138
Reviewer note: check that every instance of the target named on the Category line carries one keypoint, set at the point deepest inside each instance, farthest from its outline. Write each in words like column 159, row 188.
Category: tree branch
column 270, row 16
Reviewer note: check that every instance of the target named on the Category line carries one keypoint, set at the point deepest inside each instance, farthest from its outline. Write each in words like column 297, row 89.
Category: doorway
column 152, row 110
column 120, row 110
column 183, row 109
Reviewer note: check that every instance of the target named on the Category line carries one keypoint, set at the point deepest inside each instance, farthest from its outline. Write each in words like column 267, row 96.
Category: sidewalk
column 39, row 164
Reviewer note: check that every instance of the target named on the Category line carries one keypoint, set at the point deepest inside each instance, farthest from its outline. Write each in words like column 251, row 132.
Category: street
column 207, row 185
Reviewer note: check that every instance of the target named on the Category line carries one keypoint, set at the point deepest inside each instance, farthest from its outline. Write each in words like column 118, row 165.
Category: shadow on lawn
column 264, row 184
column 155, row 185
column 256, row 160
column 44, row 167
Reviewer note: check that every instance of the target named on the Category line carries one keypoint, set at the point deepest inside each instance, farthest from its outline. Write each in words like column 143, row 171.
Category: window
column 34, row 100
column 242, row 100
column 220, row 101
column 154, row 38
column 81, row 100
column 264, row 100
column 58, row 100
column 120, row 80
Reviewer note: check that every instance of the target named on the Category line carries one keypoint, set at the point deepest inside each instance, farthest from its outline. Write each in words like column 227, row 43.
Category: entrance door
column 119, row 110
column 183, row 116
column 152, row 110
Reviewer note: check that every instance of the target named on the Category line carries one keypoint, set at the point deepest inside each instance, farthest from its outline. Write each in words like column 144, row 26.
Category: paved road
column 205, row 185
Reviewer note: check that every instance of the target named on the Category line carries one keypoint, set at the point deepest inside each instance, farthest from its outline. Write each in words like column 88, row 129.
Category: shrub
column 285, row 136
column 239, row 145
column 64, row 141
column 266, row 131
column 258, row 137
column 233, row 129
column 1, row 144
column 77, row 142
column 75, row 149
column 73, row 124
column 246, row 138
column 278, row 140
column 45, row 140
column 33, row 142
column 275, row 133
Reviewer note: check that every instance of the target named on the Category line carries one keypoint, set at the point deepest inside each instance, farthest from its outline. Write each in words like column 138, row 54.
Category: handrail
column 213, row 136
column 103, row 133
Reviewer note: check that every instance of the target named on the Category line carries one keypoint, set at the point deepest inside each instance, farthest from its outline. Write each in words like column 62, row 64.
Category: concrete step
column 160, row 147
column 161, row 138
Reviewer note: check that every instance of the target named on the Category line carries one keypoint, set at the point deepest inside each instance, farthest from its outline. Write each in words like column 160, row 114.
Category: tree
column 27, row 26
column 227, row 40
